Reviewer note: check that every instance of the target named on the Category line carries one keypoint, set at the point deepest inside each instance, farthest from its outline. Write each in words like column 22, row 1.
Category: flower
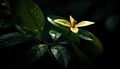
column 73, row 23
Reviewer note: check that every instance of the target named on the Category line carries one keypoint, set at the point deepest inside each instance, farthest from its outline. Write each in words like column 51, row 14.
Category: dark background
column 105, row 14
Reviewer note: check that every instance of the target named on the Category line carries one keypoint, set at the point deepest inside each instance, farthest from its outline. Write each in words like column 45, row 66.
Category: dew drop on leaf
column 34, row 12
column 42, row 28
column 36, row 30
column 31, row 11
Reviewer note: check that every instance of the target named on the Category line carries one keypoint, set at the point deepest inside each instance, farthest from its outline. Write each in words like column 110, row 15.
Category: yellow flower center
column 72, row 24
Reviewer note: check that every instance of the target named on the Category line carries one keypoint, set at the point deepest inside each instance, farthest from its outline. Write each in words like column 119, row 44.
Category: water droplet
column 31, row 11
column 36, row 30
column 38, row 16
column 34, row 9
column 54, row 51
column 38, row 52
column 34, row 12
column 42, row 28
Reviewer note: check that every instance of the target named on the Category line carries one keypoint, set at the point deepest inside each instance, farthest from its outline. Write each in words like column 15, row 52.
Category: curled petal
column 72, row 21
column 74, row 30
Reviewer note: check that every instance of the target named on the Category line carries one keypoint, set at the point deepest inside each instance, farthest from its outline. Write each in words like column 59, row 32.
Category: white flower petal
column 74, row 30
column 72, row 21
column 63, row 22
column 84, row 23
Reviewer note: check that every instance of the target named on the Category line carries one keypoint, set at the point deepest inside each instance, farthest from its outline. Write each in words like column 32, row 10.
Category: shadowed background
column 105, row 14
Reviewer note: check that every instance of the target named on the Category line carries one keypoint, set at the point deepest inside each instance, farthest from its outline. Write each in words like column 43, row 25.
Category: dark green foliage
column 29, row 54
column 62, row 53
column 31, row 17
column 13, row 38
column 28, row 21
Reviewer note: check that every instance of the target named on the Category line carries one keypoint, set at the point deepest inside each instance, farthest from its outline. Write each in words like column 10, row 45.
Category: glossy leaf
column 13, row 39
column 98, row 44
column 29, row 54
column 62, row 29
column 74, row 37
column 85, row 35
column 54, row 34
column 18, row 28
column 62, row 54
column 5, row 23
column 31, row 17
column 81, row 56
column 51, row 19
column 95, row 46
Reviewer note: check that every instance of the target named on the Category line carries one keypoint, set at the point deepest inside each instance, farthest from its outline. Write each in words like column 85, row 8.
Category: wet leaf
column 14, row 38
column 85, row 35
column 54, row 34
column 95, row 46
column 5, row 23
column 51, row 19
column 31, row 17
column 74, row 37
column 62, row 29
column 83, row 58
column 62, row 54
column 91, row 43
column 18, row 28
column 29, row 54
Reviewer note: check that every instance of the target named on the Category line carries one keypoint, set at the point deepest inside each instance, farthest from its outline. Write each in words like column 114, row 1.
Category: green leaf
column 94, row 46
column 62, row 54
column 5, row 23
column 18, row 28
column 98, row 44
column 55, row 34
column 85, row 35
column 31, row 16
column 62, row 29
column 74, row 37
column 81, row 56
column 29, row 54
column 14, row 38
column 92, row 43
